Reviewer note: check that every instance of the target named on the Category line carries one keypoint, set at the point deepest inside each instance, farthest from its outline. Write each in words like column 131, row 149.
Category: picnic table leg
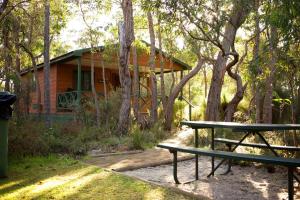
column 175, row 166
column 229, row 161
column 275, row 153
column 213, row 148
column 196, row 156
column 266, row 142
column 222, row 161
column 290, row 183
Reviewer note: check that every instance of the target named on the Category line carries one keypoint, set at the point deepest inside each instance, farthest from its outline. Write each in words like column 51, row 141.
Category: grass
column 60, row 177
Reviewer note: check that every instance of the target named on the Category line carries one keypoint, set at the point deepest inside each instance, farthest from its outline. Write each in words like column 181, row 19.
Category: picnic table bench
column 239, row 128
column 230, row 142
column 290, row 163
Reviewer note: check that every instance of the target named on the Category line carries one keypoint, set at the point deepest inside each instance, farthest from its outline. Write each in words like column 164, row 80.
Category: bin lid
column 7, row 99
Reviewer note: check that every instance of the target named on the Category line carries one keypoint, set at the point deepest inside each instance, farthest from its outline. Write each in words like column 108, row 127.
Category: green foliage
column 143, row 139
column 178, row 111
column 285, row 16
column 109, row 111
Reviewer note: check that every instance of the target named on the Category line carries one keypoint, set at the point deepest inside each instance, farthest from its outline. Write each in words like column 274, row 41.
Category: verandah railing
column 67, row 100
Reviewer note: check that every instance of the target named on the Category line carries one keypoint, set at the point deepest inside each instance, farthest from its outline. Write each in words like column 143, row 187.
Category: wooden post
column 78, row 80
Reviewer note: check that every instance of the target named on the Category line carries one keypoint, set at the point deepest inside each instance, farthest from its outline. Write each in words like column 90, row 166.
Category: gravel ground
column 244, row 182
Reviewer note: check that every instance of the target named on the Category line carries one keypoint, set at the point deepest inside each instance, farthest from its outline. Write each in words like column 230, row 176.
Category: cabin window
column 85, row 80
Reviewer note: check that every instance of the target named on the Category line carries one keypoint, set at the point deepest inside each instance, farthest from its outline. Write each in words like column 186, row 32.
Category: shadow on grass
column 63, row 178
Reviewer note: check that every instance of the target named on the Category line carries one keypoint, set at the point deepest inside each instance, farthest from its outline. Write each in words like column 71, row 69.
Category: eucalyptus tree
column 215, row 23
column 161, row 64
column 135, row 85
column 231, row 107
column 281, row 20
column 47, row 101
column 153, row 81
column 126, row 38
column 167, row 30
column 257, row 71
column 92, row 39
column 6, row 38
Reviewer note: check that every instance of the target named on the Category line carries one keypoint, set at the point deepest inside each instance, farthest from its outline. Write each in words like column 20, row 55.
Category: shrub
column 178, row 111
column 137, row 139
column 81, row 135
column 25, row 138
column 142, row 139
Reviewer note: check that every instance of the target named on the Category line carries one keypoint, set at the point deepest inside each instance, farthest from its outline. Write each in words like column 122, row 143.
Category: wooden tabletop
column 240, row 126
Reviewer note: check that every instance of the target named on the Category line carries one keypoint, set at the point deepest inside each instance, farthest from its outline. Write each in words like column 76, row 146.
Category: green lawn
column 55, row 177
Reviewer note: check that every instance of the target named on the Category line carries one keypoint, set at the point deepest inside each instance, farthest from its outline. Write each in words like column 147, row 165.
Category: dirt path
column 150, row 157
column 248, row 182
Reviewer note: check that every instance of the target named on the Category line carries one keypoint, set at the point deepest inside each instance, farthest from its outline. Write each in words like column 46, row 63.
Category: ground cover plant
column 61, row 177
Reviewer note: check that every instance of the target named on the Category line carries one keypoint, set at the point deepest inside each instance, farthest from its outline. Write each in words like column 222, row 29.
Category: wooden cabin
column 70, row 77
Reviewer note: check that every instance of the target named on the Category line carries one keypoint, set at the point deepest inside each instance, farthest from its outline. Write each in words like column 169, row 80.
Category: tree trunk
column 231, row 107
column 238, row 97
column 95, row 96
column 126, row 38
column 105, row 90
column 172, row 75
column 162, row 77
column 205, row 82
column 47, row 63
column 257, row 88
column 37, row 81
column 238, row 16
column 136, row 88
column 267, row 105
column 175, row 92
column 17, row 80
column 104, row 80
column 7, row 55
column 153, row 82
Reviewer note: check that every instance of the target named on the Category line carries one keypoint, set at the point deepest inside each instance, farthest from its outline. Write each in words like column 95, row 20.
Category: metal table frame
column 248, row 129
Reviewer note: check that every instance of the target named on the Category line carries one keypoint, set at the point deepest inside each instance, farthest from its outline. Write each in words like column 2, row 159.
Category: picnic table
column 245, row 130
column 241, row 128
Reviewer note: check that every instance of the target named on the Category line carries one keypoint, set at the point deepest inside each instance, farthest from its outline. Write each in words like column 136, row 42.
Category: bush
column 31, row 137
column 26, row 139
column 178, row 112
column 142, row 139
column 109, row 111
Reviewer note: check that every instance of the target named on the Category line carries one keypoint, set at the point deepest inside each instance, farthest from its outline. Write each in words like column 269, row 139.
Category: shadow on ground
column 65, row 178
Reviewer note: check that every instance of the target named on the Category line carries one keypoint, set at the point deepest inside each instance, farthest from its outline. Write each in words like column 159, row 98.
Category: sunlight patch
column 73, row 186
column 10, row 184
column 79, row 177
column 156, row 194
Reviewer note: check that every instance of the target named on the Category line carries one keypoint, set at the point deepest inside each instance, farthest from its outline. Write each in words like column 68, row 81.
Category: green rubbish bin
column 6, row 100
